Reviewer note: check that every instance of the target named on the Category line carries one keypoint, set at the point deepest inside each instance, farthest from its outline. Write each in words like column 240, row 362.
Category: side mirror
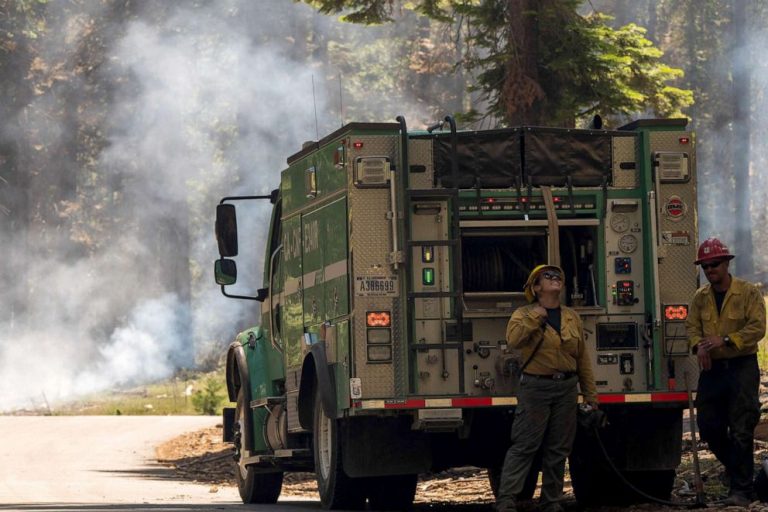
column 225, row 272
column 226, row 230
column 262, row 294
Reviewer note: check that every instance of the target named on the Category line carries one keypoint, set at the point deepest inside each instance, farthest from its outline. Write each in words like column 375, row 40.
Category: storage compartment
column 496, row 263
column 499, row 260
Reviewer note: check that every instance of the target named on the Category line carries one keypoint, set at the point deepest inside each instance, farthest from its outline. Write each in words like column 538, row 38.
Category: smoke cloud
column 200, row 107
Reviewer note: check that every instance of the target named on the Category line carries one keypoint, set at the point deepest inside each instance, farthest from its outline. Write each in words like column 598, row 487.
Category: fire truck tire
column 253, row 486
column 598, row 485
column 336, row 489
column 392, row 492
column 494, row 478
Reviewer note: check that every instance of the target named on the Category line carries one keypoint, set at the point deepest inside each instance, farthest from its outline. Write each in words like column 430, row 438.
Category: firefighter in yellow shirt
column 725, row 323
column 551, row 339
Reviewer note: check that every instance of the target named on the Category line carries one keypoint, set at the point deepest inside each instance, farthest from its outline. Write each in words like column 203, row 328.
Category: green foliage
column 171, row 397
column 208, row 400
column 569, row 67
column 369, row 12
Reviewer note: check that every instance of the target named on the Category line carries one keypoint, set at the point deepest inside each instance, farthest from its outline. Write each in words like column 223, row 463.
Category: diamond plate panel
column 677, row 273
column 420, row 153
column 370, row 244
column 678, row 242
column 624, row 150
column 683, row 366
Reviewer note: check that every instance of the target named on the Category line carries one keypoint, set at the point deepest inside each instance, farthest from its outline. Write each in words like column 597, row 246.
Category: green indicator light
column 428, row 276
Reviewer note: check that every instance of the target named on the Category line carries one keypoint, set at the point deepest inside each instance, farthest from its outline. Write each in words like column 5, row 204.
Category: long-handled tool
column 698, row 482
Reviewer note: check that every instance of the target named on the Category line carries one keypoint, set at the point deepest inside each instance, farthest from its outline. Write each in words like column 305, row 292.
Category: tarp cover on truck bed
column 525, row 156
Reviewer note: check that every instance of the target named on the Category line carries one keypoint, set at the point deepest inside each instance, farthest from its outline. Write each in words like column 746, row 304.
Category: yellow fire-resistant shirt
column 566, row 353
column 742, row 318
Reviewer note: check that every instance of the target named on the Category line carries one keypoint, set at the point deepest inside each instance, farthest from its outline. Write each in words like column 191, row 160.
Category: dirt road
column 101, row 463
column 109, row 463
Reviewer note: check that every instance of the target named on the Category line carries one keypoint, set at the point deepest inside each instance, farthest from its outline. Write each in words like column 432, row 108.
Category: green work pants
column 545, row 417
column 728, row 407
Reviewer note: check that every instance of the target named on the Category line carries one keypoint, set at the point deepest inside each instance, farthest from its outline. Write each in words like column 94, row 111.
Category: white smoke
column 201, row 109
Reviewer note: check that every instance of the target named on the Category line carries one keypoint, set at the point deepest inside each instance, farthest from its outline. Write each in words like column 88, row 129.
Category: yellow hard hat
column 528, row 288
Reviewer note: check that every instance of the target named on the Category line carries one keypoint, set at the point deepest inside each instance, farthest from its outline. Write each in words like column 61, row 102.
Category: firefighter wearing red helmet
column 551, row 339
column 725, row 323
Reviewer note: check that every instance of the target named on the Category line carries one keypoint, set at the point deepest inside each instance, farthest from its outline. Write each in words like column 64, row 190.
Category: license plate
column 367, row 286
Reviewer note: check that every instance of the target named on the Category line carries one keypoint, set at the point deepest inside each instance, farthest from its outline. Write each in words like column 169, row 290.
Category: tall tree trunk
column 522, row 93
column 742, row 77
column 653, row 19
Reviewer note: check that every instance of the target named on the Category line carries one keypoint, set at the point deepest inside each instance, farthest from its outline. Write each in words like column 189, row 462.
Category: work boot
column 506, row 506
column 552, row 507
column 737, row 500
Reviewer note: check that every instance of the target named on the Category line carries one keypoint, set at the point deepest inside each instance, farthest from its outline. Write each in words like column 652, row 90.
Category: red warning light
column 557, row 199
column 357, row 144
column 490, row 200
column 676, row 312
column 684, row 140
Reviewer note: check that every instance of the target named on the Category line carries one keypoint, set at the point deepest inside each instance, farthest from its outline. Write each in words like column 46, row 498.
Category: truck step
column 289, row 453
column 267, row 401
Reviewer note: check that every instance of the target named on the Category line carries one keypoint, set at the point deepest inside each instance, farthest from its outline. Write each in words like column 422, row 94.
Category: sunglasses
column 552, row 276
column 707, row 266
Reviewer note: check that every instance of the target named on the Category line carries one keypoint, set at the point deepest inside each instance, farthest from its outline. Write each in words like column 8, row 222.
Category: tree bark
column 522, row 94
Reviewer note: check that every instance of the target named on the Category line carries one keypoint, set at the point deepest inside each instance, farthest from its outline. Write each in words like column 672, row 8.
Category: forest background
column 123, row 122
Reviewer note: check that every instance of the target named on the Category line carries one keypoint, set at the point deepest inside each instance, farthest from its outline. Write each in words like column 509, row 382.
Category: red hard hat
column 713, row 249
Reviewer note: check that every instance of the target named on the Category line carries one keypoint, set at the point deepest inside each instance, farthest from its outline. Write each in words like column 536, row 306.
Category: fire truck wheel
column 254, row 487
column 392, row 492
column 336, row 489
column 596, row 484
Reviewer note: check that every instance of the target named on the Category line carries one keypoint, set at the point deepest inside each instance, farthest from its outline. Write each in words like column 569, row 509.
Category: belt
column 552, row 376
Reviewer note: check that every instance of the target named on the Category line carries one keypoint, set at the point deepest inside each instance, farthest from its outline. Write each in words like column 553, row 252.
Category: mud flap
column 384, row 446
column 228, row 422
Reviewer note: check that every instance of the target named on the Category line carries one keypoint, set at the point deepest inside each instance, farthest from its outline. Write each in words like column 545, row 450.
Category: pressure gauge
column 619, row 222
column 628, row 243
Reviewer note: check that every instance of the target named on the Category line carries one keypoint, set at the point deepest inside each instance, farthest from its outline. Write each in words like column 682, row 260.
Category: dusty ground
column 202, row 456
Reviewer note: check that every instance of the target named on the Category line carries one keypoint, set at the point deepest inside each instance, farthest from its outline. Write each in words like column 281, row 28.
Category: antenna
column 314, row 102
column 341, row 103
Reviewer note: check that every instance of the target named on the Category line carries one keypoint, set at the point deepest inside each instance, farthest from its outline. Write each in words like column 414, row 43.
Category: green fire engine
column 393, row 262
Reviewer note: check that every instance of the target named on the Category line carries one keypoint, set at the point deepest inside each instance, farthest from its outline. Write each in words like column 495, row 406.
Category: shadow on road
column 283, row 506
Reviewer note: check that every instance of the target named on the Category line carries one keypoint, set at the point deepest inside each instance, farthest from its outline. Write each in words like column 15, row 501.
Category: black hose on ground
column 626, row 482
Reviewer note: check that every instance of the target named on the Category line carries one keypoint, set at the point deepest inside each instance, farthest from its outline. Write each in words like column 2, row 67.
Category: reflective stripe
column 331, row 271
column 292, row 285
column 426, row 403
column 429, row 403
column 335, row 270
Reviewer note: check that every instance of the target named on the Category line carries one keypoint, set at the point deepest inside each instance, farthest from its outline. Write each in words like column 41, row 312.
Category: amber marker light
column 676, row 312
column 378, row 319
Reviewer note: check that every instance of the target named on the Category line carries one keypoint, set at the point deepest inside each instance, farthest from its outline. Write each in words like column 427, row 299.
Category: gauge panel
column 619, row 222
column 628, row 244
